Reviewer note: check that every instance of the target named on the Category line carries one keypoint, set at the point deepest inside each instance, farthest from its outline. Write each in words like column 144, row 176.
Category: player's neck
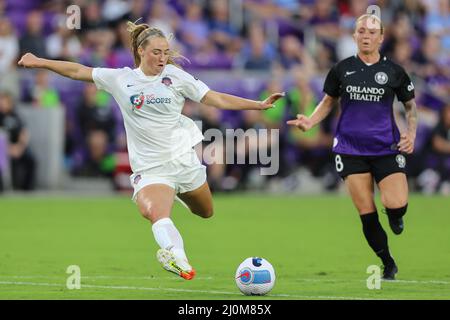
column 369, row 58
column 146, row 71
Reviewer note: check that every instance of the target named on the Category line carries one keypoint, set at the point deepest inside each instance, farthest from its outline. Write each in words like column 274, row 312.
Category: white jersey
column 156, row 130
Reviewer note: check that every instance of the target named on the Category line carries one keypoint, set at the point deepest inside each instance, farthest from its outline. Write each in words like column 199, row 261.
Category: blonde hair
column 371, row 16
column 140, row 34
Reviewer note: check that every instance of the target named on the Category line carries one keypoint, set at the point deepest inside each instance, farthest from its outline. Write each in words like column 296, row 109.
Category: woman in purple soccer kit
column 368, row 145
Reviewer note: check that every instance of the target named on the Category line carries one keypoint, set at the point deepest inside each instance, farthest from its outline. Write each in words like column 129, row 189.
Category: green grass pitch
column 315, row 244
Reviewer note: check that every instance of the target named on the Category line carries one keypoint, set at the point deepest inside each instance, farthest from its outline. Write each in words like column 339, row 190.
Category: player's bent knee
column 149, row 212
column 394, row 202
column 205, row 212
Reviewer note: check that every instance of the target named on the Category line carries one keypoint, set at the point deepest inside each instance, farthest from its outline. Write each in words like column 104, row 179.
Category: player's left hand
column 406, row 143
column 269, row 102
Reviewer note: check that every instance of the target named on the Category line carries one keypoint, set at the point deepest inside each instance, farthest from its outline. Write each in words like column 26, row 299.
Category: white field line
column 130, row 288
column 439, row 282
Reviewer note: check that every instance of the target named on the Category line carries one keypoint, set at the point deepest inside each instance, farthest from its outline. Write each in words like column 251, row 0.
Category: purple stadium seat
column 124, row 58
column 49, row 22
column 18, row 21
column 422, row 137
column 3, row 152
column 22, row 5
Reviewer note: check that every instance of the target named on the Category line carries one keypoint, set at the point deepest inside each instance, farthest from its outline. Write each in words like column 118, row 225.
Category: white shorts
column 184, row 174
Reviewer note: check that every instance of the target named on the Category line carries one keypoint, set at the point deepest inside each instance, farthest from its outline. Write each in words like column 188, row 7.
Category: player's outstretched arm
column 230, row 102
column 68, row 69
column 305, row 123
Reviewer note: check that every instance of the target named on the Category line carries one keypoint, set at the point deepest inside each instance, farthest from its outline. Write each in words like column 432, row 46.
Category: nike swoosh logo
column 130, row 85
column 348, row 73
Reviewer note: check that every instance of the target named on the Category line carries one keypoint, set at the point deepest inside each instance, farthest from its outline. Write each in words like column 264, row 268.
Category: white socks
column 168, row 237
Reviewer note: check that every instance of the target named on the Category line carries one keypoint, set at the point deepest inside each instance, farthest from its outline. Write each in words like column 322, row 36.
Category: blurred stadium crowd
column 244, row 47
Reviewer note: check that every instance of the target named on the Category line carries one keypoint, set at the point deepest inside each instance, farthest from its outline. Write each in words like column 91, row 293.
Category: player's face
column 155, row 55
column 368, row 35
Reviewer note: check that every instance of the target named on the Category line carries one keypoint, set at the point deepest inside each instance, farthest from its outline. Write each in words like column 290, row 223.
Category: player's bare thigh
column 155, row 201
column 394, row 190
column 199, row 201
column 361, row 189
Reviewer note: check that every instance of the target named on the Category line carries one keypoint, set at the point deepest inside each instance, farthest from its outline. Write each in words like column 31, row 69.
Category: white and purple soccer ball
column 255, row 276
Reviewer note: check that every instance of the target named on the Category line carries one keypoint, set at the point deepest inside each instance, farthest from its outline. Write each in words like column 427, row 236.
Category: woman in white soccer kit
column 160, row 139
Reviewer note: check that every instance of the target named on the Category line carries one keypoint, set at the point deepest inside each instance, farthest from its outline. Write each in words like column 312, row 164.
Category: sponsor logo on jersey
column 365, row 93
column 381, row 78
column 349, row 73
column 411, row 87
column 137, row 100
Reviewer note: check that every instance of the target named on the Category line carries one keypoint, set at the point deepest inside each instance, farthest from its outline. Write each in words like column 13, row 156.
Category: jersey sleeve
column 332, row 83
column 405, row 88
column 192, row 87
column 105, row 78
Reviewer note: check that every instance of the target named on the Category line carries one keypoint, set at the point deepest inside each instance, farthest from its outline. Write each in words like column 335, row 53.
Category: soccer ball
column 255, row 276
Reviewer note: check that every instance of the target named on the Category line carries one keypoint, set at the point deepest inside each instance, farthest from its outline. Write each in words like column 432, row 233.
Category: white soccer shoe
column 173, row 264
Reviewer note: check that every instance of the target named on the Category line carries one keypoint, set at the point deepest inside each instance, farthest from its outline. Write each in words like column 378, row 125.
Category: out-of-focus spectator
column 2, row 7
column 401, row 30
column 95, row 113
column 193, row 28
column 438, row 23
column 324, row 58
column 273, row 118
column 213, row 147
column 273, row 9
column 313, row 145
column 97, row 124
column 9, row 46
column 114, row 10
column 402, row 55
column 100, row 161
column 224, row 36
column 63, row 44
column 427, row 58
column 92, row 18
column 346, row 45
column 42, row 94
column 9, row 49
column 33, row 40
column 22, row 161
column 440, row 142
column 257, row 53
column 99, row 52
column 137, row 10
column 325, row 21
column 161, row 16
column 292, row 52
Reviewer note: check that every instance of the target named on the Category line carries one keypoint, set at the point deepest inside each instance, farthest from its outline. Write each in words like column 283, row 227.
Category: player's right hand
column 29, row 60
column 302, row 122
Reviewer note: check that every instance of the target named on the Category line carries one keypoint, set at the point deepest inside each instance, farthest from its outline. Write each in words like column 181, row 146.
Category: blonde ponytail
column 140, row 33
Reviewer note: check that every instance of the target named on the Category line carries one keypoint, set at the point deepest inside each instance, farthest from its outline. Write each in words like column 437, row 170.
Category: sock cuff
column 368, row 217
column 397, row 211
column 162, row 222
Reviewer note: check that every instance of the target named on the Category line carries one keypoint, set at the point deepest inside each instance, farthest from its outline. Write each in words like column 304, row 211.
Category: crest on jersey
column 167, row 81
column 137, row 100
column 401, row 161
column 137, row 179
column 381, row 78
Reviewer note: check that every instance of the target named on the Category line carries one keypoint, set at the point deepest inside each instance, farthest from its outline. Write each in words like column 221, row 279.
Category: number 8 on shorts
column 339, row 163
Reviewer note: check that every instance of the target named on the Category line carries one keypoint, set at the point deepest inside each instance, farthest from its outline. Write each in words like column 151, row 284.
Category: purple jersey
column 366, row 125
